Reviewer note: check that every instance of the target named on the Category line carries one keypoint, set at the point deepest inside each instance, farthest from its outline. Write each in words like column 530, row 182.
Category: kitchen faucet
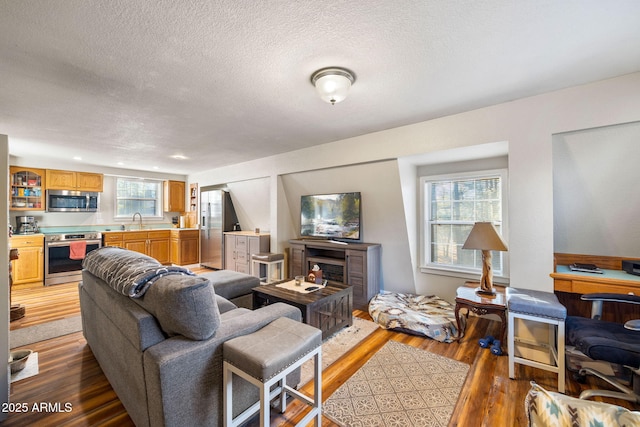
column 134, row 218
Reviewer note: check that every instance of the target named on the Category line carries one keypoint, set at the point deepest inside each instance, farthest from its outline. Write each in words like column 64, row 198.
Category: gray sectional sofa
column 157, row 334
column 234, row 286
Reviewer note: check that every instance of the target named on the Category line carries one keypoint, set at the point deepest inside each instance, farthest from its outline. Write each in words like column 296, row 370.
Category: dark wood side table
column 467, row 298
column 328, row 309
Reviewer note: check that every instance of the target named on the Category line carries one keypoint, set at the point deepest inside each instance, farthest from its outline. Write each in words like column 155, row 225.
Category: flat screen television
column 331, row 216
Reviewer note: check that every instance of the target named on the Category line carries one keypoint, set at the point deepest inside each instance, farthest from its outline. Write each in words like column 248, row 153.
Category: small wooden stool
column 274, row 264
column 265, row 358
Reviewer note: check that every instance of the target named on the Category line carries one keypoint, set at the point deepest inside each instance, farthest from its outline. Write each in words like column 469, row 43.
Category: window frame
column 425, row 211
column 159, row 214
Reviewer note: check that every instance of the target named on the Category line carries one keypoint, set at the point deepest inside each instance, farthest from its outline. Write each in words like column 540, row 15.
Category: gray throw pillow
column 183, row 305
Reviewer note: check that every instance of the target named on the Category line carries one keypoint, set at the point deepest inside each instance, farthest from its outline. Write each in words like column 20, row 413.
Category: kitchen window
column 138, row 195
column 451, row 204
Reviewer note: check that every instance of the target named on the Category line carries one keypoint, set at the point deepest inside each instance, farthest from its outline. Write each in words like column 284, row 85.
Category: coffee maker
column 26, row 225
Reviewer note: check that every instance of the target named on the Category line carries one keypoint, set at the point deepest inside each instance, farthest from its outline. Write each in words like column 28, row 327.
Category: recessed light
column 179, row 157
column 77, row 158
column 120, row 163
column 156, row 167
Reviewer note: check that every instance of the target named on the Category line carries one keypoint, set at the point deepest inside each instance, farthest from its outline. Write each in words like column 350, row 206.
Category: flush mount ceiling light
column 333, row 84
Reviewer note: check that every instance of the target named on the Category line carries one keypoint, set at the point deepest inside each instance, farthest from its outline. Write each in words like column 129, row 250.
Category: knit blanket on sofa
column 128, row 272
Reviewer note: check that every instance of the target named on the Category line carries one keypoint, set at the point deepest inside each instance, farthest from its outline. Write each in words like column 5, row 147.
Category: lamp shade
column 484, row 236
column 332, row 84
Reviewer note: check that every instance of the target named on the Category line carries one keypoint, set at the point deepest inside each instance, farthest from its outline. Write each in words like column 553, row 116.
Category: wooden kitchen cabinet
column 185, row 246
column 174, row 196
column 112, row 239
column 154, row 243
column 26, row 192
column 136, row 245
column 240, row 245
column 76, row 181
column 29, row 267
column 90, row 181
column 136, row 241
column 159, row 244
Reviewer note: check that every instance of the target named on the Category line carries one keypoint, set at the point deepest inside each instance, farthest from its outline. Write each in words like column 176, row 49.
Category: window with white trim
column 138, row 195
column 451, row 205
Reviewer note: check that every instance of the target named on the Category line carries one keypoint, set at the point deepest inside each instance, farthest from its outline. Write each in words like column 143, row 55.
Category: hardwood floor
column 69, row 374
column 46, row 303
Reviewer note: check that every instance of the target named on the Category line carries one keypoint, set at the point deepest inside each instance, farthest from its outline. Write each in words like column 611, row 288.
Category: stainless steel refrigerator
column 217, row 216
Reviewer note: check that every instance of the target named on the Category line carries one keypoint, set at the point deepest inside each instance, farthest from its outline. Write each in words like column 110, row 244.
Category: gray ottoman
column 264, row 359
column 543, row 307
column 234, row 286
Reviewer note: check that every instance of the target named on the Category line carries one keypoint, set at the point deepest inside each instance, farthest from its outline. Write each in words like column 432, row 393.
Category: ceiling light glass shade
column 333, row 84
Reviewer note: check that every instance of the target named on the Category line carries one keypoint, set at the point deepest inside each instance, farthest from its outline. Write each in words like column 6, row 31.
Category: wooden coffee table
column 328, row 309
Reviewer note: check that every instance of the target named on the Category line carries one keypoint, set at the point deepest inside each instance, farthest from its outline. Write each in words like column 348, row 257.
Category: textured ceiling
column 227, row 81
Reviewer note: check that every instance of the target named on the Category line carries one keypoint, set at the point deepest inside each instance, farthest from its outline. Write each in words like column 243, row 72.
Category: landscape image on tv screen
column 333, row 216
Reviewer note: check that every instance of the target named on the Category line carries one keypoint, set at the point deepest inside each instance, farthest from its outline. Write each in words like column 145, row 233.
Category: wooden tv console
column 356, row 264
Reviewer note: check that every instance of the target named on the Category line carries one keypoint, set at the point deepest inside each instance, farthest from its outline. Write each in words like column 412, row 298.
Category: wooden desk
column 570, row 285
column 614, row 281
column 467, row 298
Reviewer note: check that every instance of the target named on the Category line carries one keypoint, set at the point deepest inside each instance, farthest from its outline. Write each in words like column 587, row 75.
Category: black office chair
column 610, row 342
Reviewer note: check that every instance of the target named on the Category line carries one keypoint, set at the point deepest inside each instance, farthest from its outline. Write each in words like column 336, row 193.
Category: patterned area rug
column 338, row 344
column 399, row 386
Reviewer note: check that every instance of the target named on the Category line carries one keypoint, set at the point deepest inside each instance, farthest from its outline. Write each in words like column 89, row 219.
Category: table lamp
column 485, row 237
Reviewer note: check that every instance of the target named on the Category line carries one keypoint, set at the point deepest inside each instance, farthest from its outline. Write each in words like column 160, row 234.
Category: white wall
column 251, row 203
column 527, row 125
column 381, row 208
column 596, row 173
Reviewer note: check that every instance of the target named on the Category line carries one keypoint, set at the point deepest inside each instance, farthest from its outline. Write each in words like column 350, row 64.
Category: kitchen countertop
column 247, row 233
column 129, row 230
column 108, row 229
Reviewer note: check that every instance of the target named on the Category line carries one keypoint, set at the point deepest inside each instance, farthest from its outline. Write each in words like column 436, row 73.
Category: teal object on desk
column 613, row 274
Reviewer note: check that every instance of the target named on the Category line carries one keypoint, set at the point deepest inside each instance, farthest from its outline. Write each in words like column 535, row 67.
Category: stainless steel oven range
column 62, row 263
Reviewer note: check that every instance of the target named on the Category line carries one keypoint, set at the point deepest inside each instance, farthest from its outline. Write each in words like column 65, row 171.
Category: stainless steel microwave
column 72, row 201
